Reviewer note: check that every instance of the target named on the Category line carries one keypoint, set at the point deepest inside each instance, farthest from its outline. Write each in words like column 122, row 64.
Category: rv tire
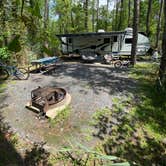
column 117, row 64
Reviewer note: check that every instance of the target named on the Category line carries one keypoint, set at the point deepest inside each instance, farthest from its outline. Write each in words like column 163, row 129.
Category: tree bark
column 121, row 15
column 107, row 14
column 3, row 23
column 93, row 15
column 46, row 13
column 86, row 15
column 22, row 6
column 148, row 17
column 116, row 15
column 135, row 31
column 71, row 15
column 129, row 12
column 97, row 15
column 159, row 25
column 162, row 72
column 46, row 20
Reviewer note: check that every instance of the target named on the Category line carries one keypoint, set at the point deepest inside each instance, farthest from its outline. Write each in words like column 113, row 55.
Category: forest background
column 28, row 27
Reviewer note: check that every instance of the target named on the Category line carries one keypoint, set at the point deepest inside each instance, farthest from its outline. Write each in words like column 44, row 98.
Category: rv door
column 115, row 44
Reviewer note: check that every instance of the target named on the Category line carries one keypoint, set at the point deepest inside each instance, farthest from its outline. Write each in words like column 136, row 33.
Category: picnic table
column 45, row 62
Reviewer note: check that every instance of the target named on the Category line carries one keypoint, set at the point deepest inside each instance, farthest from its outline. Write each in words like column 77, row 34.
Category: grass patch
column 136, row 127
column 3, row 86
column 151, row 109
column 79, row 155
column 61, row 117
column 100, row 113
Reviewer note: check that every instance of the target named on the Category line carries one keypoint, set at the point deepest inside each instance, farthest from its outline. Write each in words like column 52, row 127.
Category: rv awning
column 92, row 34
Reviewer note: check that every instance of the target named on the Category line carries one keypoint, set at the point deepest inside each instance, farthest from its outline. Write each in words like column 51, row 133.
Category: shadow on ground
column 152, row 108
column 8, row 142
column 135, row 136
column 98, row 78
column 9, row 154
column 126, row 139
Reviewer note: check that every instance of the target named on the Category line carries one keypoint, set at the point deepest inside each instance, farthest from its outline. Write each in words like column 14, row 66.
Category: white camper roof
column 92, row 34
column 100, row 34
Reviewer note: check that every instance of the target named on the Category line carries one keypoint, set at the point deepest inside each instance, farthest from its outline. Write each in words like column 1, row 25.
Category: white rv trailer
column 115, row 43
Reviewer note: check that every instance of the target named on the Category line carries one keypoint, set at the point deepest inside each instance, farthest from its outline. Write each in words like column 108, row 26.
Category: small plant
column 2, row 87
column 106, row 112
column 63, row 115
column 5, row 54
column 83, row 156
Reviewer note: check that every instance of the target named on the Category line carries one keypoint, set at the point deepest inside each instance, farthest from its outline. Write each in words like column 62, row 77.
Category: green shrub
column 4, row 54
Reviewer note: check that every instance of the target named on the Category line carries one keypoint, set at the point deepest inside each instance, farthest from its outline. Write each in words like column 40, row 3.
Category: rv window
column 106, row 40
column 69, row 40
column 93, row 47
column 128, row 40
column 115, row 38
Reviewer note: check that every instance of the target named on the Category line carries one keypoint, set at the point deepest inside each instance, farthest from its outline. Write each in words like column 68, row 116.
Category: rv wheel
column 117, row 64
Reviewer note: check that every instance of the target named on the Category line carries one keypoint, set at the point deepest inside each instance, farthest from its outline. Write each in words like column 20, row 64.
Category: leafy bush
column 4, row 54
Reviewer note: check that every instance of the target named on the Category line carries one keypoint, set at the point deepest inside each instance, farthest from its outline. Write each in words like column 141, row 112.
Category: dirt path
column 91, row 88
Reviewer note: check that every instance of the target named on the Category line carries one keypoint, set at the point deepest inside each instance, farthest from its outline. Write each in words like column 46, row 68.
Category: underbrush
column 80, row 155
column 152, row 106
column 135, row 128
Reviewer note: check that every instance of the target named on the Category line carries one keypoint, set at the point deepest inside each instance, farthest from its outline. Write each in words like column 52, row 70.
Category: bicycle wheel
column 22, row 73
column 4, row 74
column 117, row 64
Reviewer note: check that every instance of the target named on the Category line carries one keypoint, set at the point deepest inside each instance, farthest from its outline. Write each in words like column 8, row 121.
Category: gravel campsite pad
column 91, row 87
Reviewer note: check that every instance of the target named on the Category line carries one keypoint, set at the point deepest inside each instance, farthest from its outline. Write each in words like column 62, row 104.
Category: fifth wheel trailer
column 116, row 43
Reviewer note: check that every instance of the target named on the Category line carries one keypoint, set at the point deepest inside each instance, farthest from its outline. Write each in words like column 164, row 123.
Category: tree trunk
column 114, row 18
column 129, row 12
column 162, row 72
column 3, row 23
column 93, row 15
column 46, row 19
column 159, row 25
column 71, row 15
column 116, row 15
column 135, row 31
column 121, row 15
column 148, row 17
column 86, row 15
column 72, row 20
column 97, row 15
column 46, row 13
column 107, row 14
column 22, row 6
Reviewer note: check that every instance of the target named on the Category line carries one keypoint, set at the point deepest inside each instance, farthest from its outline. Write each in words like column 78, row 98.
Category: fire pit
column 49, row 101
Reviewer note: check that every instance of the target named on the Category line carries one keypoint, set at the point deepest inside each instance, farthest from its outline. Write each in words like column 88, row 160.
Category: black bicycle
column 19, row 73
column 119, row 64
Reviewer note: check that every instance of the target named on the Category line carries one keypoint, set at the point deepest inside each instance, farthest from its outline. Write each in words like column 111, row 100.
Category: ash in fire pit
column 49, row 100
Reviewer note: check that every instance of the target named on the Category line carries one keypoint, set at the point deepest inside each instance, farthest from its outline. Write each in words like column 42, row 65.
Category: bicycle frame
column 11, row 69
column 19, row 73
